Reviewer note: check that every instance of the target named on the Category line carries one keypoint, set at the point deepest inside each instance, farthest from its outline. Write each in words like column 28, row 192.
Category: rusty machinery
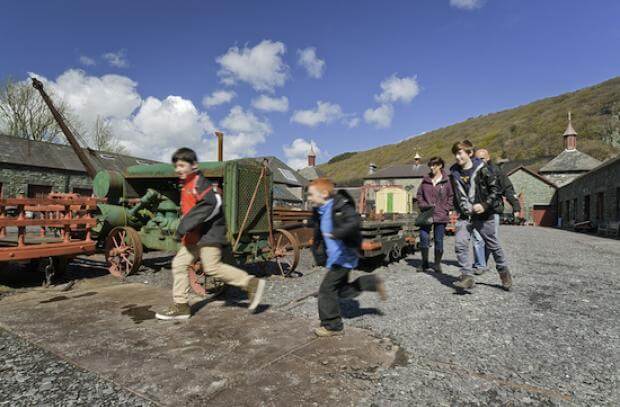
column 142, row 212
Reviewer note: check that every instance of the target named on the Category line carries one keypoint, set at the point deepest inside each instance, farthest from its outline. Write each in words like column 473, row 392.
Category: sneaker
column 506, row 278
column 323, row 332
column 465, row 282
column 256, row 288
column 381, row 289
column 479, row 271
column 175, row 312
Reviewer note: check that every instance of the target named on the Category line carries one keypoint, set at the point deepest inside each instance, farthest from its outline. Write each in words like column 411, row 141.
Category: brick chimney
column 311, row 157
column 570, row 135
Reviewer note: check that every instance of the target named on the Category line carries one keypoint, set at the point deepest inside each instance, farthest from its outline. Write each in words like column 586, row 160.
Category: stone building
column 408, row 176
column 34, row 168
column 537, row 196
column 570, row 163
column 593, row 197
column 288, row 189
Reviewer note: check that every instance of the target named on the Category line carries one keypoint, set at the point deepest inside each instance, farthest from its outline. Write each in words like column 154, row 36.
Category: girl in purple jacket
column 436, row 192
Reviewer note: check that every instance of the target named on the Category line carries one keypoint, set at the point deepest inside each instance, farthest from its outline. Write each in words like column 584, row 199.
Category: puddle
column 55, row 299
column 139, row 314
column 88, row 294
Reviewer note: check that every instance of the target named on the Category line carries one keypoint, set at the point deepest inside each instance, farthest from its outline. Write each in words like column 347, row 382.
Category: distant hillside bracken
column 529, row 134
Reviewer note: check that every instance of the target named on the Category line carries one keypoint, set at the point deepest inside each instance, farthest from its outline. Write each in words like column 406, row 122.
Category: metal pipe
column 220, row 145
column 90, row 169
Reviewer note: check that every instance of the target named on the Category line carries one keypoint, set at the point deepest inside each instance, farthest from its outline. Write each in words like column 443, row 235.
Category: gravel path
column 553, row 340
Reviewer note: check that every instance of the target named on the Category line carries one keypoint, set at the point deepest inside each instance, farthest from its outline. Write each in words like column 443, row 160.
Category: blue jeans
column 439, row 230
column 481, row 251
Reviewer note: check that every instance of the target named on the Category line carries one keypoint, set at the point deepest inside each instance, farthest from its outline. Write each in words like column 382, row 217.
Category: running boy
column 337, row 239
column 477, row 198
column 202, row 231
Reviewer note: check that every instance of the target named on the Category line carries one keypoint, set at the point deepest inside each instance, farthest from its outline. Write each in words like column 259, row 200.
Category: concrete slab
column 222, row 356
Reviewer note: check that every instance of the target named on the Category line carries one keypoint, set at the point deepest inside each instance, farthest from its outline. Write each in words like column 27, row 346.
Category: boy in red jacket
column 202, row 231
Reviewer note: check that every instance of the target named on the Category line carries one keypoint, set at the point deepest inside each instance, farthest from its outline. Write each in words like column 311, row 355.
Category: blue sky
column 146, row 66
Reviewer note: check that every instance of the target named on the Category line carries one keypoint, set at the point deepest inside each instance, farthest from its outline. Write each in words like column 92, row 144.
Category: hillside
column 529, row 134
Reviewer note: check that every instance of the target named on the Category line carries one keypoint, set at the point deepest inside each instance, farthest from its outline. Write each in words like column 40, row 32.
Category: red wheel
column 123, row 251
column 286, row 251
column 202, row 284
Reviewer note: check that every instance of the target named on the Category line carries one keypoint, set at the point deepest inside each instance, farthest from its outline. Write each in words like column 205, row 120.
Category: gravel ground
column 553, row 340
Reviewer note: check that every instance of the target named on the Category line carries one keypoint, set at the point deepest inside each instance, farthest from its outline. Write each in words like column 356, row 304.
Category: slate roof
column 311, row 173
column 570, row 161
column 19, row 151
column 282, row 173
column 400, row 171
column 532, row 173
column 280, row 193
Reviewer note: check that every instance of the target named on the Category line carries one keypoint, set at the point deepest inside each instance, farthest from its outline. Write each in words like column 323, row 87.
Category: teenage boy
column 481, row 252
column 337, row 239
column 202, row 232
column 477, row 198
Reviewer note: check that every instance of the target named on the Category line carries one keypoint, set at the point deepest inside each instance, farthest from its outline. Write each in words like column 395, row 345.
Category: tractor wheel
column 286, row 250
column 123, row 251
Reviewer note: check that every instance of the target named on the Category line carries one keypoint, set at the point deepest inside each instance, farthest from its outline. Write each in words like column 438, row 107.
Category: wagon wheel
column 396, row 253
column 123, row 251
column 202, row 284
column 286, row 251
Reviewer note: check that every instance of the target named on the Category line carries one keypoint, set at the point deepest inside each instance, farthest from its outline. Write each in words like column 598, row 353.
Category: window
column 575, row 210
column 618, row 203
column 288, row 174
column 83, row 191
column 38, row 191
column 600, row 206
column 586, row 208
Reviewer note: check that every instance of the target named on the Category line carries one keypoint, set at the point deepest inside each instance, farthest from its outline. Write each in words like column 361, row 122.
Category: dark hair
column 465, row 145
column 185, row 154
column 436, row 161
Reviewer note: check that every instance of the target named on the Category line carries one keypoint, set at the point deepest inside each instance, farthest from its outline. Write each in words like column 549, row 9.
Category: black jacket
column 206, row 217
column 507, row 190
column 346, row 226
column 484, row 190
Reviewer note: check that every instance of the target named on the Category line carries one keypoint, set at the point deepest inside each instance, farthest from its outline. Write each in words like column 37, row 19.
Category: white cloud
column 296, row 153
column 467, row 4
column 352, row 122
column 325, row 112
column 219, row 97
column 396, row 89
column 261, row 66
column 313, row 64
column 149, row 127
column 381, row 117
column 108, row 96
column 269, row 104
column 244, row 131
column 87, row 61
column 117, row 59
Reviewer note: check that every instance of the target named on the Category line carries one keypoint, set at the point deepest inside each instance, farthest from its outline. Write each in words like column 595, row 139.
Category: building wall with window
column 537, row 195
column 593, row 197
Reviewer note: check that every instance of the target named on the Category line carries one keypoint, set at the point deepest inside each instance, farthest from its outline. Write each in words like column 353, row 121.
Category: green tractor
column 142, row 212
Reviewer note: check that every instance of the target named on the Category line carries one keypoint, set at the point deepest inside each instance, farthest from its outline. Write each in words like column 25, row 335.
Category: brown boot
column 506, row 278
column 176, row 311
column 465, row 282
column 323, row 332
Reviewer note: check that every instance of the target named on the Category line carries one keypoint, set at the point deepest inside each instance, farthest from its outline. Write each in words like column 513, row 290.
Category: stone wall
column 15, row 179
column 534, row 190
column 602, row 182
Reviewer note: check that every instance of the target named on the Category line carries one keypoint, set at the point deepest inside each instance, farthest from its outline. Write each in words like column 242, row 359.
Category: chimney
column 311, row 157
column 372, row 168
column 570, row 135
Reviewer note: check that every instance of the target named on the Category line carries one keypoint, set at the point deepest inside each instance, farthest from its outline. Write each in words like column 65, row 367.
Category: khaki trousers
column 211, row 258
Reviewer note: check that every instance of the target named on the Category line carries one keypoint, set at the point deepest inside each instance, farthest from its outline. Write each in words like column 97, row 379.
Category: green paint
column 390, row 202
